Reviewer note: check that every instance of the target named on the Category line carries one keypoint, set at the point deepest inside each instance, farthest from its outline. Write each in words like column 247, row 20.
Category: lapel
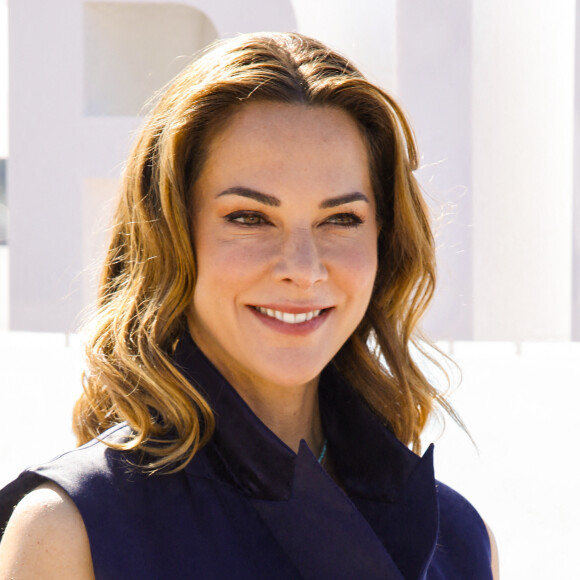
column 385, row 522
column 409, row 526
column 392, row 487
column 322, row 531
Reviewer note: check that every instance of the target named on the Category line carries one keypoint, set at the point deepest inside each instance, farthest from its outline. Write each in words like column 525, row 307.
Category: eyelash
column 237, row 217
column 353, row 219
column 343, row 220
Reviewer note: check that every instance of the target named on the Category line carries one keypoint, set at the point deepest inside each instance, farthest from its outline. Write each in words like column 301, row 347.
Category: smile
column 287, row 317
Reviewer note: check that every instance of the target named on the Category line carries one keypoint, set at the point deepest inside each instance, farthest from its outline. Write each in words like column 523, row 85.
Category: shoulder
column 92, row 465
column 46, row 538
column 494, row 554
column 453, row 501
column 74, row 482
column 463, row 535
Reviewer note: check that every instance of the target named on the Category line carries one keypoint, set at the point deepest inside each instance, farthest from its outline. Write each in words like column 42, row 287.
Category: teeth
column 287, row 317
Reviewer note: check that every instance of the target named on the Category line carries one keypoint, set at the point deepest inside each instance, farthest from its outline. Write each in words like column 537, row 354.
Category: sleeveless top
column 248, row 507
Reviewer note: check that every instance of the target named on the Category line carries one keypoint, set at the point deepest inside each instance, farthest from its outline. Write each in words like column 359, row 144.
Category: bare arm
column 494, row 555
column 46, row 538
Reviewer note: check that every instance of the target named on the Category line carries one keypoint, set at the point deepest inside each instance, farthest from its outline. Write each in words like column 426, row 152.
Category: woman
column 250, row 395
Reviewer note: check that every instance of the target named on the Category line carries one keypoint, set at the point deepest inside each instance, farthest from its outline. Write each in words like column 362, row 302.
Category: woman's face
column 285, row 236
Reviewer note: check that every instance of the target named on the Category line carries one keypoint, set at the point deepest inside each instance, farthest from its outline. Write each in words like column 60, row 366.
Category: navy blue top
column 248, row 507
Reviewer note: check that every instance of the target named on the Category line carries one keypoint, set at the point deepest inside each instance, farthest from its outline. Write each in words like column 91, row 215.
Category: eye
column 348, row 219
column 247, row 218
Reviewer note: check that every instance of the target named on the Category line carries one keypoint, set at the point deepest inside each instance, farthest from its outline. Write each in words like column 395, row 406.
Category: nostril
column 300, row 260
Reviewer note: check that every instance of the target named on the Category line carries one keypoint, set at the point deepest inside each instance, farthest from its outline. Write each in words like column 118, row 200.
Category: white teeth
column 287, row 317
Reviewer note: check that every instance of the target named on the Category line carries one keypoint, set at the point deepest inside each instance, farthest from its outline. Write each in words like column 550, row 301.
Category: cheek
column 362, row 273
column 241, row 256
column 356, row 265
column 226, row 267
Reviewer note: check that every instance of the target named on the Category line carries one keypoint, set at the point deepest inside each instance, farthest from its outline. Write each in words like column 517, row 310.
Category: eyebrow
column 273, row 201
column 342, row 199
column 252, row 194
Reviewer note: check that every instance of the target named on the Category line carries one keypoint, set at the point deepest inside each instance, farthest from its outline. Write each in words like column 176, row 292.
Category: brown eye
column 345, row 219
column 247, row 218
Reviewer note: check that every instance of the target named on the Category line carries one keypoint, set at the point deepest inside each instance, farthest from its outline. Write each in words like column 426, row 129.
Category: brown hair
column 149, row 276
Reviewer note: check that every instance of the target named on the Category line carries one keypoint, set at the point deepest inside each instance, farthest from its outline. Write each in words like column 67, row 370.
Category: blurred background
column 492, row 89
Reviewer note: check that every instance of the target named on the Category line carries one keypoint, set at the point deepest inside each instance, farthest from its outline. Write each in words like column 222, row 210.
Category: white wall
column 576, row 213
column 4, row 297
column 98, row 208
column 3, row 78
column 488, row 85
column 132, row 50
column 74, row 112
column 523, row 119
column 364, row 31
column 434, row 56
column 44, row 166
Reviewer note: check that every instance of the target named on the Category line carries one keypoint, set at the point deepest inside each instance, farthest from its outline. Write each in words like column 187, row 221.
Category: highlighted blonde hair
column 149, row 276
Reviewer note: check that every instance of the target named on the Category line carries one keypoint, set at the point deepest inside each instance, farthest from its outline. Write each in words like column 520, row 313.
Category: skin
column 494, row 554
column 284, row 219
column 46, row 538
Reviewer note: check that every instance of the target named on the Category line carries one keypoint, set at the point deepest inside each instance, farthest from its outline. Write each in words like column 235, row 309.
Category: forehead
column 301, row 146
column 269, row 122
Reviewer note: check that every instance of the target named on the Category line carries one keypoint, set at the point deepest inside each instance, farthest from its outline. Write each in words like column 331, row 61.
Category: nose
column 299, row 260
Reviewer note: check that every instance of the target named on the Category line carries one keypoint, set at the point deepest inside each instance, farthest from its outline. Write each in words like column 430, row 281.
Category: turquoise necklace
column 323, row 452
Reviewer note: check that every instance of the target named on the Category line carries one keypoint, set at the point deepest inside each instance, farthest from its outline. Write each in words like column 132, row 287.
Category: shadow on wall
column 3, row 204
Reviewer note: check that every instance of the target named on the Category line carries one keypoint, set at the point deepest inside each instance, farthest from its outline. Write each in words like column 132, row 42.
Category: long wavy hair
column 149, row 275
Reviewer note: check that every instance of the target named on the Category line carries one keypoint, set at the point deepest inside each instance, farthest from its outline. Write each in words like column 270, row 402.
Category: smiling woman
column 250, row 389
column 283, row 277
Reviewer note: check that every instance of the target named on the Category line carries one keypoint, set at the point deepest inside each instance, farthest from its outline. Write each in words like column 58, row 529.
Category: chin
column 291, row 371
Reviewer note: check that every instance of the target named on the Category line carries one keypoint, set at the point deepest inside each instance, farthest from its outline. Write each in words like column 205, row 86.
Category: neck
column 292, row 413
column 289, row 410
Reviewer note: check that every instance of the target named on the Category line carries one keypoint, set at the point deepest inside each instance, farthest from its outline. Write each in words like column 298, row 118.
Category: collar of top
column 370, row 461
column 384, row 526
